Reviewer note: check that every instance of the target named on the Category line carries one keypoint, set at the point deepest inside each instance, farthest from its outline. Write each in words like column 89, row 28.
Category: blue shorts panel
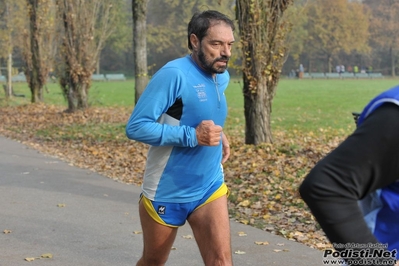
column 176, row 214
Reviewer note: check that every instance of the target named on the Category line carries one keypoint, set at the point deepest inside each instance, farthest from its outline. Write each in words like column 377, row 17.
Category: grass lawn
column 311, row 105
column 304, row 105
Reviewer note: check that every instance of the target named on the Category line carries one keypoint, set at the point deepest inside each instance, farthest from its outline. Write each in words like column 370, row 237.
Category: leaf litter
column 263, row 179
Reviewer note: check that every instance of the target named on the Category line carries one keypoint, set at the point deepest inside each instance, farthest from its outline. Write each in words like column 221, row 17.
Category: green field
column 305, row 105
column 100, row 94
column 314, row 104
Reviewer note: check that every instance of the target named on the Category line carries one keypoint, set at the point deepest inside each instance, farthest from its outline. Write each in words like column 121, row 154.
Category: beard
column 209, row 65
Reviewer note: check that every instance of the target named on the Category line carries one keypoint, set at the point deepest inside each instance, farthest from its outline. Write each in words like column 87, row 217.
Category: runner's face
column 214, row 51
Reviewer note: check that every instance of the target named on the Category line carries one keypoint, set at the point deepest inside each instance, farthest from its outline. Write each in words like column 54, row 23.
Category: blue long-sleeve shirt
column 178, row 97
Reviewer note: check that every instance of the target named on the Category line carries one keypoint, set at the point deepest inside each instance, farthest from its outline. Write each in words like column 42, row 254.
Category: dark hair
column 201, row 22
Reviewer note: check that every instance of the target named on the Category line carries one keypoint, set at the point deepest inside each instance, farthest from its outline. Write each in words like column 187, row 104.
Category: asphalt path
column 76, row 217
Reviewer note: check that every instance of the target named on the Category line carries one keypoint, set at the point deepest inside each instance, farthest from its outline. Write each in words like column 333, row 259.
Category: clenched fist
column 208, row 134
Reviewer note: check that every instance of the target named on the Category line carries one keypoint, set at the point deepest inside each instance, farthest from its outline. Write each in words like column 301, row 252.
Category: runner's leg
column 158, row 240
column 211, row 227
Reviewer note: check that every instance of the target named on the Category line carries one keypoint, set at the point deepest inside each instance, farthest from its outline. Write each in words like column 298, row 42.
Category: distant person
column 350, row 70
column 338, row 69
column 181, row 115
column 355, row 69
column 301, row 71
column 342, row 69
column 363, row 70
column 354, row 191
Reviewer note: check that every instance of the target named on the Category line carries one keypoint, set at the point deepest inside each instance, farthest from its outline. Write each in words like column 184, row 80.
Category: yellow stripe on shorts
column 152, row 212
column 222, row 190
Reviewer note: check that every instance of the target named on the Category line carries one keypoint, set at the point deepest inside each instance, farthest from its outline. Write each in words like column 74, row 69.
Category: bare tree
column 12, row 18
column 40, row 45
column 263, row 32
column 139, row 8
column 86, row 24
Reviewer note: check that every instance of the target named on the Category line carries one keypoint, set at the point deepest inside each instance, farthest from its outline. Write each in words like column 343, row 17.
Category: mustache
column 222, row 58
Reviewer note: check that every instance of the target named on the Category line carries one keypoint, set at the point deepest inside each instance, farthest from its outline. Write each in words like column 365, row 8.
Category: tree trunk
column 75, row 93
column 34, row 66
column 393, row 66
column 139, row 8
column 329, row 63
column 71, row 101
column 257, row 110
column 82, row 99
column 98, row 65
column 70, row 96
column 9, row 77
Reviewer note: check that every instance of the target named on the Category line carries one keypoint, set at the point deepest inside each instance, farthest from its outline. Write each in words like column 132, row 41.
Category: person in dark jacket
column 354, row 191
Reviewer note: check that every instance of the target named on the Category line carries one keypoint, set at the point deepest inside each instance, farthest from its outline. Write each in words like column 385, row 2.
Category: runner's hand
column 208, row 134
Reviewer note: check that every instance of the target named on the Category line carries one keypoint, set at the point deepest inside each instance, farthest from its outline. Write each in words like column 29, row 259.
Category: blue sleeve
column 161, row 93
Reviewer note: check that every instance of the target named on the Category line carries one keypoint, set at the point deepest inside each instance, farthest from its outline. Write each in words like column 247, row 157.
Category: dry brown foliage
column 263, row 179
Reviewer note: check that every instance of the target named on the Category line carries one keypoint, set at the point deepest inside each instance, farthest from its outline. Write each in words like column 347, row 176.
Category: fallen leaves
column 263, row 179
column 242, row 234
column 262, row 243
column 239, row 252
column 280, row 250
column 43, row 256
column 264, row 189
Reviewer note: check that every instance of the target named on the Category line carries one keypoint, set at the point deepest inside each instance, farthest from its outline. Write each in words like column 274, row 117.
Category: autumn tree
column 263, row 30
column 167, row 26
column 336, row 26
column 384, row 28
column 39, row 49
column 12, row 23
column 139, row 8
column 85, row 27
